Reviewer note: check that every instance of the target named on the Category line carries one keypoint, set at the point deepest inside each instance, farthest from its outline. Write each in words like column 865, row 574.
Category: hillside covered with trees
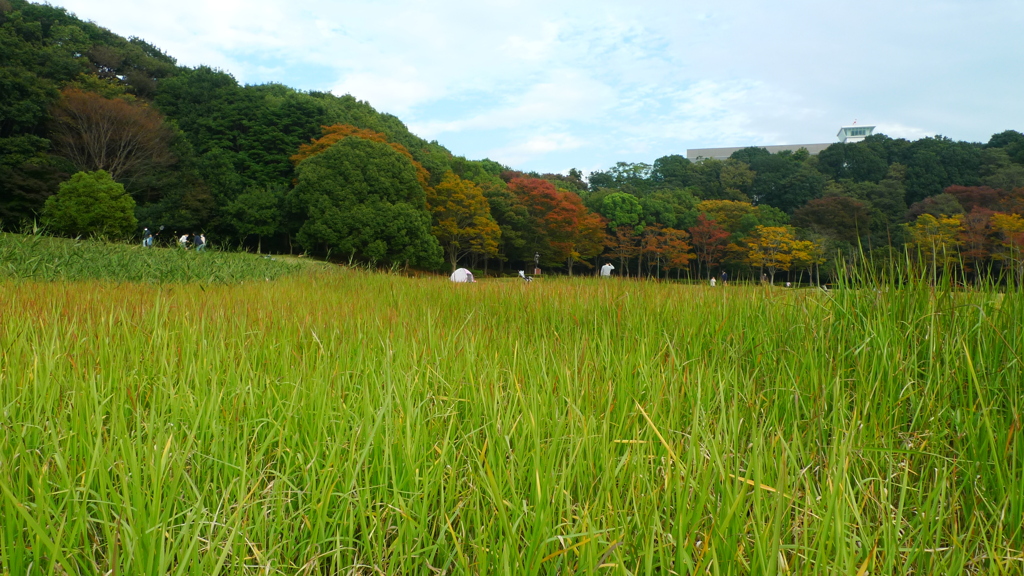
column 276, row 169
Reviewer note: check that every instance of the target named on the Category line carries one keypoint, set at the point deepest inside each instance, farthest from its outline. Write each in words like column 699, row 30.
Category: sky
column 550, row 85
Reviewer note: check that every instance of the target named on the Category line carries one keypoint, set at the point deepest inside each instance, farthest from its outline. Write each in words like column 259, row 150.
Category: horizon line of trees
column 271, row 168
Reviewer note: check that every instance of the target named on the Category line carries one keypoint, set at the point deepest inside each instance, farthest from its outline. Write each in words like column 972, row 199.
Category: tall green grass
column 353, row 423
column 39, row 257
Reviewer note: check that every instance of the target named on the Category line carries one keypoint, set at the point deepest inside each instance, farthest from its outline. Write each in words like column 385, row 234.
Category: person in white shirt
column 606, row 270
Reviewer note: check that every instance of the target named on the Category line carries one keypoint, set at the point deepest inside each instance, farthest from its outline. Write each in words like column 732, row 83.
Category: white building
column 847, row 135
column 854, row 133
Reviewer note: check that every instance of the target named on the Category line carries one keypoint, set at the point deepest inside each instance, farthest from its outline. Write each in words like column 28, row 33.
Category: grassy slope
column 48, row 258
column 350, row 421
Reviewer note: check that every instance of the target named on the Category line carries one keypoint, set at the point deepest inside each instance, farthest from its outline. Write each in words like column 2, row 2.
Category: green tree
column 621, row 209
column 1012, row 142
column 998, row 171
column 361, row 198
column 938, row 205
column 673, row 171
column 837, row 217
column 736, row 178
column 859, row 162
column 28, row 176
column 513, row 220
column 255, row 212
column 933, row 164
column 670, row 207
column 91, row 203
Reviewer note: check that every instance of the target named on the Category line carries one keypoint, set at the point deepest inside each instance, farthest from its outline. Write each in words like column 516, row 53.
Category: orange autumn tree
column 462, row 219
column 652, row 246
column 338, row 132
column 625, row 245
column 589, row 238
column 676, row 250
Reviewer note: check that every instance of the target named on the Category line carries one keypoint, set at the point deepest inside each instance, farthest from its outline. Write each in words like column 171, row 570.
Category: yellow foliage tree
column 462, row 219
column 1009, row 230
column 808, row 254
column 727, row 213
column 936, row 240
column 774, row 248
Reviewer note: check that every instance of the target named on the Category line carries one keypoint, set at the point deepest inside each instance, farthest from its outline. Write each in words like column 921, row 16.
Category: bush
column 91, row 204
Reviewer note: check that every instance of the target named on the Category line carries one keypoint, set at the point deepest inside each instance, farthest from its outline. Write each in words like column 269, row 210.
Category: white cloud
column 566, row 96
column 535, row 146
column 606, row 80
column 392, row 94
column 896, row 130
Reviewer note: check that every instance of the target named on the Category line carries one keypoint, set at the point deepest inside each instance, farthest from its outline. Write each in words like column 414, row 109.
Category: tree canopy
column 88, row 204
column 361, row 198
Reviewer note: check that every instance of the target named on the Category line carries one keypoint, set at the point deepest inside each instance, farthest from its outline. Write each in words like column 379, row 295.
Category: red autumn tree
column 971, row 197
column 1013, row 202
column 709, row 242
column 562, row 230
column 974, row 238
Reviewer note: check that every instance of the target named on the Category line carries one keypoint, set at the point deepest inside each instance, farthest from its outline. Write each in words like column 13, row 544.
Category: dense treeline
column 951, row 204
column 272, row 168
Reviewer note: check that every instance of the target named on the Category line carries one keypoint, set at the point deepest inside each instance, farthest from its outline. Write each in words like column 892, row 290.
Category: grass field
column 343, row 422
column 38, row 257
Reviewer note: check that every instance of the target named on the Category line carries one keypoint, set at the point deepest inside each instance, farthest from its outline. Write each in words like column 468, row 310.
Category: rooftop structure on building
column 854, row 133
column 847, row 135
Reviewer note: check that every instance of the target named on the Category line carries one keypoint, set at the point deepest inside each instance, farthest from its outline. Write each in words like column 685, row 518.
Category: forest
column 268, row 168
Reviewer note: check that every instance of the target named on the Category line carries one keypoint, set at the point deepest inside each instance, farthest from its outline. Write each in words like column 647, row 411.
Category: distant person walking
column 199, row 241
column 183, row 241
column 712, row 281
column 725, row 278
column 147, row 238
column 606, row 270
column 462, row 275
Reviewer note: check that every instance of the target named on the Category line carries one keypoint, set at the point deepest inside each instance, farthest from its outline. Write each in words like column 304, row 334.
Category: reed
column 346, row 422
column 38, row 257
